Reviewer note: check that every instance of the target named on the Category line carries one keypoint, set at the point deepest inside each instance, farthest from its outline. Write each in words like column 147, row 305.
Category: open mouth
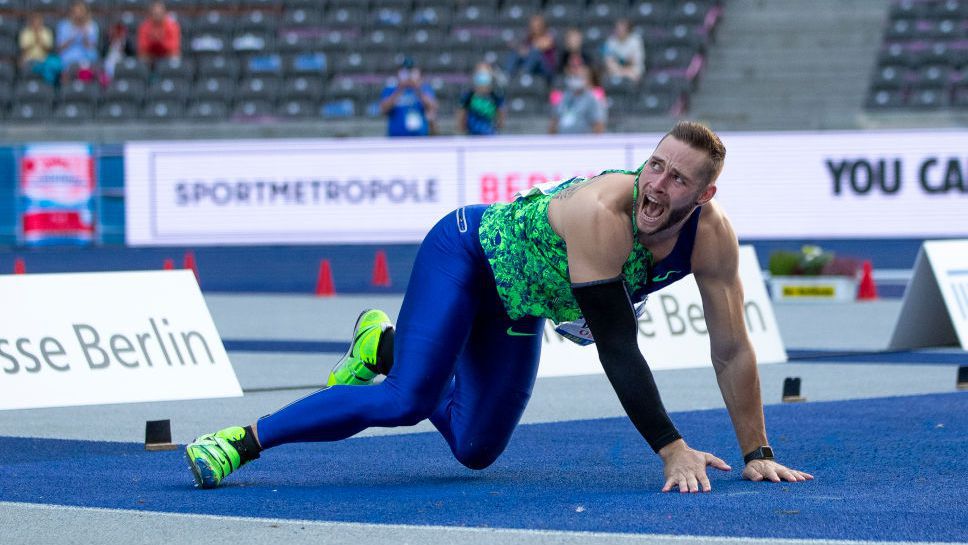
column 652, row 210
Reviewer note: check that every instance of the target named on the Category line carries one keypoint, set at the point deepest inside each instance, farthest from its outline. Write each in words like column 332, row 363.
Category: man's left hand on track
column 769, row 470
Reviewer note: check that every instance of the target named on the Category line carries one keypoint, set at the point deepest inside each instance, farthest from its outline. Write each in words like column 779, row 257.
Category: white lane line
column 451, row 529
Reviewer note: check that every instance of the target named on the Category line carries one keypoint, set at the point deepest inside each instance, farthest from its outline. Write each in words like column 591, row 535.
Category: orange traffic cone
column 867, row 291
column 19, row 267
column 381, row 272
column 324, row 282
column 169, row 264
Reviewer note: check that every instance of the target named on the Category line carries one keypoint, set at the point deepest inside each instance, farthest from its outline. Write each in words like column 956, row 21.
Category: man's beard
column 675, row 216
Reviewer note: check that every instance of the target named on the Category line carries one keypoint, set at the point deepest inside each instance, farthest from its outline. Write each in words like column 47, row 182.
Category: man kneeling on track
column 584, row 253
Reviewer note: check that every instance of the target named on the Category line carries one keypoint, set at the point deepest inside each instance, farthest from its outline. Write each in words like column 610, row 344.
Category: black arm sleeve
column 608, row 311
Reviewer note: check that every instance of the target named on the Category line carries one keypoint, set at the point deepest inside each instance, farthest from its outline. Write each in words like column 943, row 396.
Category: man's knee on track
column 476, row 457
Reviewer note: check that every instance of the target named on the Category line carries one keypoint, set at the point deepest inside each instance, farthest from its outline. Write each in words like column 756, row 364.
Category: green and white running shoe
column 213, row 456
column 370, row 353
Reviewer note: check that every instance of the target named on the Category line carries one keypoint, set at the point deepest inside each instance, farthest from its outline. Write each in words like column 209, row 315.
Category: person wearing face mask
column 481, row 109
column 408, row 103
column 578, row 111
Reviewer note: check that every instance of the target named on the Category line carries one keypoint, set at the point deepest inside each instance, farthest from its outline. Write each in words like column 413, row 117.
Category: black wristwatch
column 762, row 453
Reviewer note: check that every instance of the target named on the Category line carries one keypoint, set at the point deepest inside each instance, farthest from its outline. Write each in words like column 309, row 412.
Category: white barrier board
column 672, row 332
column 859, row 184
column 98, row 338
column 935, row 307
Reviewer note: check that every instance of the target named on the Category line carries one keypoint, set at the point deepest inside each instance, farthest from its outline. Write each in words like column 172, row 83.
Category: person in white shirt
column 624, row 53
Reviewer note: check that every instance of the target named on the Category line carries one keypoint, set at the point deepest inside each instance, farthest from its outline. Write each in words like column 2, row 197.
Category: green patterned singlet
column 530, row 261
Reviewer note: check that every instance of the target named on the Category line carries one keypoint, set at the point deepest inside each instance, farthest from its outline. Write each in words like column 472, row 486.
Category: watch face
column 767, row 453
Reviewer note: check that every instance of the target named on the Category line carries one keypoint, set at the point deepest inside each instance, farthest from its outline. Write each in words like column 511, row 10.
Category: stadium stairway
column 781, row 64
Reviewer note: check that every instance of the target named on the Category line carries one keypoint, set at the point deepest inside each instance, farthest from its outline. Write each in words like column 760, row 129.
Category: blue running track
column 887, row 469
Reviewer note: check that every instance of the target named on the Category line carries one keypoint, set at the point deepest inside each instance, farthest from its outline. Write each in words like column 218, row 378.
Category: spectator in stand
column 37, row 49
column 119, row 47
column 408, row 103
column 574, row 52
column 481, row 109
column 624, row 53
column 579, row 110
column 77, row 40
column 159, row 35
column 536, row 53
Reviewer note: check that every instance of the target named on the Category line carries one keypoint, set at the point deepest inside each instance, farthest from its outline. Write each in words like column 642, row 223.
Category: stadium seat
column 222, row 66
column 215, row 87
column 259, row 4
column 932, row 76
column 346, row 87
column 179, row 5
column 131, row 68
column 119, row 110
column 33, row 91
column 208, row 110
column 209, row 42
column 475, row 15
column 345, row 16
column 352, row 63
column 423, row 39
column 302, row 88
column 959, row 96
column 653, row 103
column 594, row 35
column 648, row 12
column 885, row 98
column 252, row 41
column 692, row 11
column 381, row 40
column 561, row 13
column 890, row 77
column 387, row 16
column 225, row 5
column 30, row 111
column 176, row 68
column 163, row 110
column 298, row 18
column 527, row 105
column 253, row 108
column 671, row 57
column 214, row 21
column 74, row 111
column 517, row 12
column 297, row 109
column 439, row 16
column 259, row 88
column 80, row 91
column 257, row 20
column 526, row 84
column 606, row 12
column 169, row 89
column 263, row 64
column 929, row 98
column 307, row 63
column 338, row 108
column 7, row 73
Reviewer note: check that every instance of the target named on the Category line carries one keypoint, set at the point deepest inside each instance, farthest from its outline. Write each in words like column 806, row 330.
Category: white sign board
column 286, row 191
column 935, row 307
column 672, row 332
column 317, row 191
column 97, row 338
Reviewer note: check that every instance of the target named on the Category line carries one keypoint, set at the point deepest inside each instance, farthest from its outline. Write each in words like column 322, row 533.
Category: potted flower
column 813, row 274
